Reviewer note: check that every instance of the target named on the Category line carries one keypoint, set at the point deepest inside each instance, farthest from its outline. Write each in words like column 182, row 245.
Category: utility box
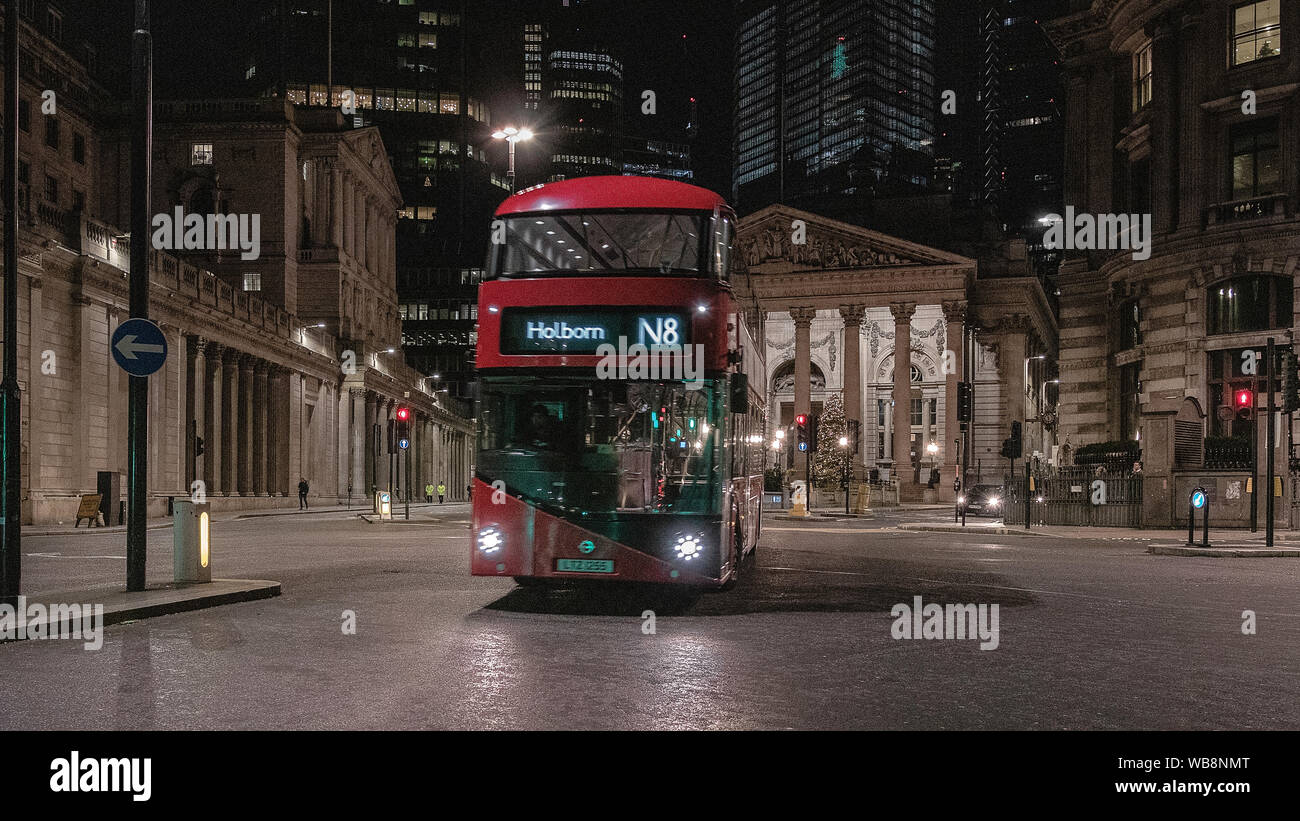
column 192, row 559
column 108, row 484
column 384, row 505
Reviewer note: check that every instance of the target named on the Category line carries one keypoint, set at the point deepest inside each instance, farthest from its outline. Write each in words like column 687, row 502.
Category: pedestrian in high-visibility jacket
column 442, row 491
column 428, row 492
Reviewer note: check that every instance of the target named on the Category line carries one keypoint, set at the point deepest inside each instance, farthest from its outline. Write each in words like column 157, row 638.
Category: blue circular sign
column 403, row 443
column 587, row 546
column 1198, row 498
column 139, row 346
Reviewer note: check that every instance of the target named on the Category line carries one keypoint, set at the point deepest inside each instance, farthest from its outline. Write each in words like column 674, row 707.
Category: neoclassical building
column 286, row 366
column 1189, row 112
column 871, row 318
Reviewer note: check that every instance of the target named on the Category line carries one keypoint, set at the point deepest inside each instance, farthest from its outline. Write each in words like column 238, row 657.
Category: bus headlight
column 490, row 539
column 689, row 546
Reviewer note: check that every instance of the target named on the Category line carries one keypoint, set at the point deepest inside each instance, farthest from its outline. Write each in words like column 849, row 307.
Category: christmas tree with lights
column 828, row 460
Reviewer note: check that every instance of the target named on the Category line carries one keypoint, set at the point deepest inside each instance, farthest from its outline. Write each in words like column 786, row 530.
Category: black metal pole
column 1254, row 459
column 1269, row 437
column 1029, row 490
column 138, row 398
column 1205, row 523
column 11, row 504
column 1191, row 521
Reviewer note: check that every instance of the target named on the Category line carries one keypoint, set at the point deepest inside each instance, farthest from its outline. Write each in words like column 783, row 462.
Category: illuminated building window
column 252, row 282
column 1142, row 77
column 1256, row 32
column 201, row 154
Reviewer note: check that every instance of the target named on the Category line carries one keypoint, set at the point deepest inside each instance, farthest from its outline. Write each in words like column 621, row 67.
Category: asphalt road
column 1092, row 635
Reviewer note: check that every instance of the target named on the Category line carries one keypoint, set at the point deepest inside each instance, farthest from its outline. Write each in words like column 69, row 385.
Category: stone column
column 803, row 318
column 852, row 315
column 1191, row 80
column 1164, row 125
column 902, row 415
column 214, row 424
column 245, row 438
column 1011, row 364
column 259, row 427
column 230, row 406
column 359, row 431
column 199, row 368
column 288, row 483
column 954, row 314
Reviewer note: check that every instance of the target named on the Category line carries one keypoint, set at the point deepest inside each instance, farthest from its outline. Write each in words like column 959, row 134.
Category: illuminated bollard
column 384, row 504
column 192, row 557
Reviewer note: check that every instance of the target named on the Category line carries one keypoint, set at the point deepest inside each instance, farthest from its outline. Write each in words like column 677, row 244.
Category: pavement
column 382, row 627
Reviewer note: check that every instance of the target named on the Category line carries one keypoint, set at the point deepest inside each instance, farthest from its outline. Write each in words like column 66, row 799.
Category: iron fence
column 1066, row 498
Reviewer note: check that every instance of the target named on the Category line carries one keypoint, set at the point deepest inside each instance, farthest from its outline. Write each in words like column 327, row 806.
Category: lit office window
column 1256, row 32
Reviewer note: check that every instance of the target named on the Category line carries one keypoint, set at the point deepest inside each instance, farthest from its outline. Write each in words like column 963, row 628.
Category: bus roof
column 610, row 192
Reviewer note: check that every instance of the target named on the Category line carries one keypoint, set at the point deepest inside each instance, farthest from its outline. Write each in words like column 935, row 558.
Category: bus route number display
column 582, row 331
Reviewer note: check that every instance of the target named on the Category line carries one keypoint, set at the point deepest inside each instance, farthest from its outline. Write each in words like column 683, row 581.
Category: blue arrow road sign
column 403, row 443
column 1198, row 498
column 139, row 347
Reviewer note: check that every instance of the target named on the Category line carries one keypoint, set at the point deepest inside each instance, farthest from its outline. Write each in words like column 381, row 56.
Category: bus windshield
column 580, row 445
column 604, row 242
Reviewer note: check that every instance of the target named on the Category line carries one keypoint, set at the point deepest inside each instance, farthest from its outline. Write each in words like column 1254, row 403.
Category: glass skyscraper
column 834, row 98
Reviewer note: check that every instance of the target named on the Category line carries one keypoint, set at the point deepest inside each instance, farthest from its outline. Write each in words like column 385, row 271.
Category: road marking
column 61, row 556
column 821, row 530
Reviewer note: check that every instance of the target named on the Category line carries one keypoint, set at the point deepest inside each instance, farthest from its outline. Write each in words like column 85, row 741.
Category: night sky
column 192, row 58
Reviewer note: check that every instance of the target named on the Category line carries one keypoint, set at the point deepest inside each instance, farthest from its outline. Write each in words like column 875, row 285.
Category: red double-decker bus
column 621, row 396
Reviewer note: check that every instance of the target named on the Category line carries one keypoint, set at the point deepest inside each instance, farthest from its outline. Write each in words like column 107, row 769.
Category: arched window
column 1248, row 303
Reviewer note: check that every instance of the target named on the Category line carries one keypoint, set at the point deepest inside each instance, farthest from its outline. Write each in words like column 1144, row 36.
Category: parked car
column 985, row 500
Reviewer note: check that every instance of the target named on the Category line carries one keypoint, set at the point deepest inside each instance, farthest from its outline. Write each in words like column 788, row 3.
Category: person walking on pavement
column 442, row 491
column 428, row 492
column 302, row 493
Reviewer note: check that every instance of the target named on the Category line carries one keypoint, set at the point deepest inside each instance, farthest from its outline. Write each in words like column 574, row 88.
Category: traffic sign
column 1198, row 498
column 403, row 443
column 139, row 346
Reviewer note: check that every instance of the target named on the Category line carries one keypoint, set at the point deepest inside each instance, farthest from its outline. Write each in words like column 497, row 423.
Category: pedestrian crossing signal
column 801, row 428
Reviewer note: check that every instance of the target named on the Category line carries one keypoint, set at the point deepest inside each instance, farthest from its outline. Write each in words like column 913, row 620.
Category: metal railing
column 1067, row 499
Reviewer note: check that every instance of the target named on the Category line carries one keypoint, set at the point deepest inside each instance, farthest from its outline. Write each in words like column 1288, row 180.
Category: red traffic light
column 801, row 419
column 1244, row 398
column 403, row 414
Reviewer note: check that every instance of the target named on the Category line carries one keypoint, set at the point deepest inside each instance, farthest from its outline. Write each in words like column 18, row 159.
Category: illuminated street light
column 512, row 135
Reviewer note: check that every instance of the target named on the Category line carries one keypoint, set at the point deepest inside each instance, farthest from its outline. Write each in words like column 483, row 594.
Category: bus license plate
column 585, row 565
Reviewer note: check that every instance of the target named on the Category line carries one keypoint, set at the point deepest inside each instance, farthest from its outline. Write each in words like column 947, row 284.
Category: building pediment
column 769, row 237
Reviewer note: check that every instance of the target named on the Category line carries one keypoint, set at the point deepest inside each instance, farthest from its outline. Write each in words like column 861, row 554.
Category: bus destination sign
column 583, row 330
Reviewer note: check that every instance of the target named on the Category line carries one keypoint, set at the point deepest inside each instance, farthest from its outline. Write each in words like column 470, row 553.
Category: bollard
column 192, row 551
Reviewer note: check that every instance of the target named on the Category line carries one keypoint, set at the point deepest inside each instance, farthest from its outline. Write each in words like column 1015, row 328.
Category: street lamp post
column 844, row 473
column 512, row 135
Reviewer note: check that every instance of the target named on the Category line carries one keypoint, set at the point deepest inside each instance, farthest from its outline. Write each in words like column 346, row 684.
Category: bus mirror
column 739, row 393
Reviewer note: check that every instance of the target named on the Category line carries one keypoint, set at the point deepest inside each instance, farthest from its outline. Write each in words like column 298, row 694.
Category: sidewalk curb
column 996, row 531
column 1224, row 552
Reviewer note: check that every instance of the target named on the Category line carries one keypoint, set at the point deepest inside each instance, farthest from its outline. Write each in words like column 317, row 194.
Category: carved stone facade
column 284, row 383
column 877, row 317
column 1145, row 340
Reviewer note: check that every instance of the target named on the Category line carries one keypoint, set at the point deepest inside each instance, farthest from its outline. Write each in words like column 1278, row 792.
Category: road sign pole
column 11, row 499
column 1268, row 422
column 138, row 399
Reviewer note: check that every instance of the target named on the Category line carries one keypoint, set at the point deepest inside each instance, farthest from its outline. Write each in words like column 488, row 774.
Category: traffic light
column 812, row 432
column 965, row 402
column 1017, row 444
column 198, row 445
column 1243, row 402
column 801, row 428
column 1290, row 384
column 403, row 423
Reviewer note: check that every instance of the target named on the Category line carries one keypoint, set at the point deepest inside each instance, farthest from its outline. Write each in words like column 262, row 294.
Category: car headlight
column 961, row 500
column 689, row 546
column 993, row 502
column 490, row 539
